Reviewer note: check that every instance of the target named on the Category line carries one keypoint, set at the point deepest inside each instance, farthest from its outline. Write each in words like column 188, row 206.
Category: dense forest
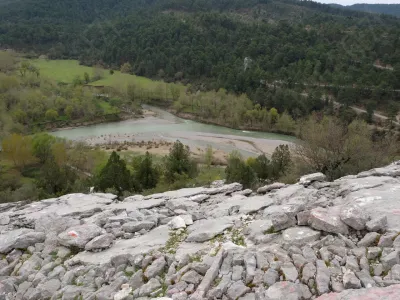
column 389, row 9
column 238, row 45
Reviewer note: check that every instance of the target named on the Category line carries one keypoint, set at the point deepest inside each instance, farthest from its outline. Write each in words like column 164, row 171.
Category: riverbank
column 158, row 129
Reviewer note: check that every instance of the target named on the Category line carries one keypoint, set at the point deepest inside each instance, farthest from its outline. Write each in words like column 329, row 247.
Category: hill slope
column 390, row 9
column 208, row 41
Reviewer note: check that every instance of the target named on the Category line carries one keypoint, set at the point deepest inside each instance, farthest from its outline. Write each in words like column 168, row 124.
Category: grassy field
column 67, row 70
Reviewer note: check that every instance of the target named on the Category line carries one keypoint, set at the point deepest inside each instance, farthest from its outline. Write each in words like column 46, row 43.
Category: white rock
column 177, row 222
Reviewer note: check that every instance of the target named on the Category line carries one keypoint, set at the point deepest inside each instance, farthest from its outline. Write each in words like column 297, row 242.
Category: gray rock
column 156, row 268
column 204, row 230
column 200, row 267
column 192, row 277
column 300, row 235
column 262, row 261
column 270, row 277
column 220, row 289
column 303, row 217
column 377, row 224
column 327, row 220
column 32, row 265
column 136, row 281
column 396, row 242
column 4, row 220
column 270, row 187
column 226, row 264
column 53, row 223
column 285, row 290
column 137, row 226
column 177, row 222
column 20, row 239
column 390, row 293
column 322, row 278
column 350, row 281
column 366, row 280
column 386, row 240
column 237, row 273
column 236, row 290
column 354, row 216
column 308, row 272
column 209, row 277
column 289, row 271
column 309, row 254
column 310, row 178
column 374, row 252
column 100, row 242
column 371, row 238
column 49, row 288
column 388, row 261
column 251, row 265
column 79, row 236
column 152, row 285
column 352, row 264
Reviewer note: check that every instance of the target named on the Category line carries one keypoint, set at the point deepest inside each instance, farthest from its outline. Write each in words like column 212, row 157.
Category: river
column 165, row 126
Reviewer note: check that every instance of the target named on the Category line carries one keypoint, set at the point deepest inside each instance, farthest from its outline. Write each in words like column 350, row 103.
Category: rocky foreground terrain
column 311, row 240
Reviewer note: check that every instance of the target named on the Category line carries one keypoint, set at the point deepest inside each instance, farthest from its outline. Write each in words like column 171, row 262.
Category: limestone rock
column 377, row 224
column 79, row 236
column 100, row 242
column 300, row 235
column 310, row 178
column 390, row 293
column 327, row 220
column 350, row 281
column 270, row 187
column 177, row 222
column 236, row 290
column 354, row 216
column 137, row 226
column 19, row 239
column 204, row 230
column 156, row 267
column 288, row 290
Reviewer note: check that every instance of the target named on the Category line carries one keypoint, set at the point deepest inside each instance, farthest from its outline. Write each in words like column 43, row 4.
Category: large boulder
column 20, row 239
column 328, row 220
column 288, row 290
column 79, row 236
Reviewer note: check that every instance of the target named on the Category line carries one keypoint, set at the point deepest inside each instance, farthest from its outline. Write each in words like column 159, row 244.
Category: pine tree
column 146, row 174
column 179, row 162
column 115, row 175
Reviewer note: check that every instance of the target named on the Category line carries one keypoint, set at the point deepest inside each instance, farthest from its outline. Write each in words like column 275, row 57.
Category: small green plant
column 195, row 257
column 328, row 263
column 238, row 238
column 173, row 242
column 128, row 273
column 270, row 230
column 371, row 271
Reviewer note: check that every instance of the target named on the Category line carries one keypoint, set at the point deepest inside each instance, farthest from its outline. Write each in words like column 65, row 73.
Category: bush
column 178, row 162
column 238, row 171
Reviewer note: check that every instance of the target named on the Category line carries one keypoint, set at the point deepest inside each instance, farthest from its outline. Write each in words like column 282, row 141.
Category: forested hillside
column 390, row 9
column 208, row 42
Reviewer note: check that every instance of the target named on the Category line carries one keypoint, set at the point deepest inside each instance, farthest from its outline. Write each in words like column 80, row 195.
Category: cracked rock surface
column 310, row 240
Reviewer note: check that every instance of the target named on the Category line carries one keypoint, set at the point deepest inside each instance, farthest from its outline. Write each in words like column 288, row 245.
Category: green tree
column 126, row 68
column 261, row 166
column 115, row 175
column 280, row 160
column 51, row 115
column 146, row 173
column 178, row 162
column 208, row 156
column 86, row 77
column 238, row 171
column 274, row 115
column 18, row 149
column 42, row 146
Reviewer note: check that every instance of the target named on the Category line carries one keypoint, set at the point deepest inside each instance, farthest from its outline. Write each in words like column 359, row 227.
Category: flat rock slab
column 19, row 238
column 67, row 205
column 381, row 200
column 204, row 230
column 139, row 204
column 143, row 244
column 241, row 205
column 387, row 293
column 79, row 236
column 300, row 235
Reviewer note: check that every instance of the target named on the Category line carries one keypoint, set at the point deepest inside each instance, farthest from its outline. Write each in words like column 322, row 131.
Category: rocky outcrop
column 311, row 240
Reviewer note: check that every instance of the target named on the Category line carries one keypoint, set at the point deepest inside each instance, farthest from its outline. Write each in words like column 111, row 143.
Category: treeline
column 230, row 44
